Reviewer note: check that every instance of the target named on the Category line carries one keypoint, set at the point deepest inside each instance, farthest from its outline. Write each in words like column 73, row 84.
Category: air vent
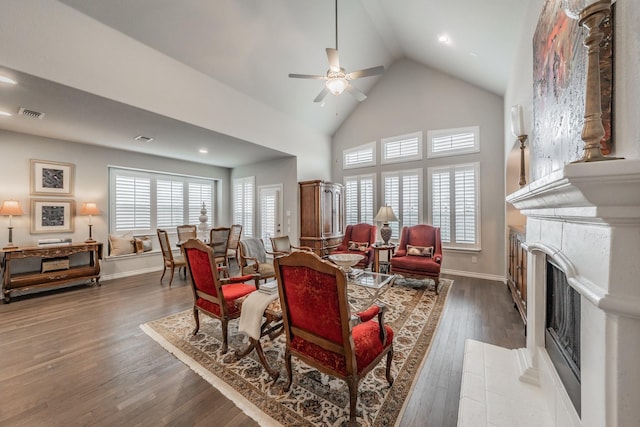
column 142, row 138
column 30, row 113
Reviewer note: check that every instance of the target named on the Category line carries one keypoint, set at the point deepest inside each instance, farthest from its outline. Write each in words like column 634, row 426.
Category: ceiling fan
column 337, row 80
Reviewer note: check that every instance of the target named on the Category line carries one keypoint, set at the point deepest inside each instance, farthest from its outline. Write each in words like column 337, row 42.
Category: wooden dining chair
column 219, row 241
column 187, row 231
column 234, row 241
column 169, row 260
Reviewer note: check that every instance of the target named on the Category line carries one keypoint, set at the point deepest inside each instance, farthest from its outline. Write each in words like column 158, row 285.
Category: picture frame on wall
column 52, row 216
column 51, row 178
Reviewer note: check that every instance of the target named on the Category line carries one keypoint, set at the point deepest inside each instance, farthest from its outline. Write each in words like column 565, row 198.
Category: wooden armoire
column 321, row 215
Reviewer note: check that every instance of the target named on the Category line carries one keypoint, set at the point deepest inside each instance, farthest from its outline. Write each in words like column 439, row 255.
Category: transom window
column 402, row 148
column 361, row 156
column 141, row 201
column 450, row 142
column 360, row 198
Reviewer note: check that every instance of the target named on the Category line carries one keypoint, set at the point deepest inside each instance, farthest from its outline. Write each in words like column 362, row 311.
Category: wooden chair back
column 186, row 232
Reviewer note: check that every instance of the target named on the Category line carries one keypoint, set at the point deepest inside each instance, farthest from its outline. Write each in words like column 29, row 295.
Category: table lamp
column 385, row 215
column 90, row 208
column 11, row 208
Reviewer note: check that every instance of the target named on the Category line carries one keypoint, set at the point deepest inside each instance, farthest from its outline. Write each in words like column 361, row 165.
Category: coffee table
column 373, row 285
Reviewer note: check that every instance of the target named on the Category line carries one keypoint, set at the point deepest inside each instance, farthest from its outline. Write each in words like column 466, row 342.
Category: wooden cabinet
column 35, row 267
column 321, row 215
column 517, row 274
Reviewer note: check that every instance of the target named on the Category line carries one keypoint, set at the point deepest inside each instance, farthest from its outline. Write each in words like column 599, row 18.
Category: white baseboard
column 129, row 273
column 475, row 275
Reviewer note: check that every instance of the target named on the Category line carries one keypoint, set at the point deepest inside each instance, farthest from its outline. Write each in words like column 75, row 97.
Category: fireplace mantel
column 598, row 192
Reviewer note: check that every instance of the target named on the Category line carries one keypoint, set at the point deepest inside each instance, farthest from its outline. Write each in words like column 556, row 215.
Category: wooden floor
column 78, row 357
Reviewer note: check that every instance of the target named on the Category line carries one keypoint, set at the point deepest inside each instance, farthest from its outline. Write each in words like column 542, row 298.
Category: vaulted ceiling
column 252, row 46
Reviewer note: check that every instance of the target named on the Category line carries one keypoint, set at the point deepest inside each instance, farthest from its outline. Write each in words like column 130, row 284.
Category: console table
column 42, row 267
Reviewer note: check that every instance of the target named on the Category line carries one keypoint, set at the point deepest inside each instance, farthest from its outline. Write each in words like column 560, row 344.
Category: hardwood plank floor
column 78, row 357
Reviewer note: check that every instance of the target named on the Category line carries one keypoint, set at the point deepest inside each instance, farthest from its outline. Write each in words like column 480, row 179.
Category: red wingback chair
column 317, row 323
column 359, row 239
column 419, row 253
column 213, row 295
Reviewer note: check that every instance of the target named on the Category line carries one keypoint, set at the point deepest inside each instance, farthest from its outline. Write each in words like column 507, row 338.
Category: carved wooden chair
column 213, row 295
column 358, row 239
column 281, row 245
column 319, row 328
column 186, row 232
column 169, row 260
column 253, row 259
column 419, row 253
column 234, row 241
column 219, row 241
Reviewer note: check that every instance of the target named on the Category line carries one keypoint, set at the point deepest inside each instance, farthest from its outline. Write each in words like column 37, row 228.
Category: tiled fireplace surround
column 586, row 218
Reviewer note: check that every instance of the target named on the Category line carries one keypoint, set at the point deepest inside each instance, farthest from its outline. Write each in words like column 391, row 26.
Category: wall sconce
column 591, row 13
column 517, row 129
column 385, row 215
column 90, row 208
column 11, row 208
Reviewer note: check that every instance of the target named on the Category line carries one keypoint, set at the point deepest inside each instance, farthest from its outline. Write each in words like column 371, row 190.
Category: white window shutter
column 132, row 203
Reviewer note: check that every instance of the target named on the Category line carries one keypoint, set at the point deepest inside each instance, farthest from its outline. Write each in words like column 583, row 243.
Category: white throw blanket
column 252, row 310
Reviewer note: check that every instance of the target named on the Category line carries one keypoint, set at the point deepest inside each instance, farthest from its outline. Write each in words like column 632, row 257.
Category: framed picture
column 51, row 178
column 52, row 216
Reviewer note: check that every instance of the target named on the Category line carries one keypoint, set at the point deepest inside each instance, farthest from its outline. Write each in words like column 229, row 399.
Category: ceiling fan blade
column 332, row 56
column 307, row 76
column 321, row 95
column 359, row 96
column 373, row 71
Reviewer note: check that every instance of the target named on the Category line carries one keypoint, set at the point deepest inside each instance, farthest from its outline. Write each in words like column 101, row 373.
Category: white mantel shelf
column 606, row 191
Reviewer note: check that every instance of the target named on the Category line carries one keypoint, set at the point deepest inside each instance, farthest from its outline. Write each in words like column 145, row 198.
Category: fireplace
column 562, row 330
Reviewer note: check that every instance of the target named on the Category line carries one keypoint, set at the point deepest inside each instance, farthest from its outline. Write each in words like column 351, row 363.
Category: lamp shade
column 336, row 85
column 89, row 208
column 573, row 7
column 11, row 207
column 517, row 121
column 385, row 214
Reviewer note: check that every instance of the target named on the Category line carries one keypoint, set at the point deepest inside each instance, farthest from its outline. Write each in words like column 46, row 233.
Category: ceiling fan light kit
column 336, row 79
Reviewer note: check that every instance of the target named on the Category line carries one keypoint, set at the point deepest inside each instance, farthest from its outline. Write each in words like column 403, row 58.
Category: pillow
column 358, row 246
column 121, row 245
column 143, row 244
column 420, row 251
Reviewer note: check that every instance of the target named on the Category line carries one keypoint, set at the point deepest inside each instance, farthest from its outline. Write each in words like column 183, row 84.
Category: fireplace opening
column 562, row 331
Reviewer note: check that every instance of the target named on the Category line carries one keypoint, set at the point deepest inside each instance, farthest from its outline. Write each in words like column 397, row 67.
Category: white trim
column 370, row 146
column 432, row 134
column 414, row 135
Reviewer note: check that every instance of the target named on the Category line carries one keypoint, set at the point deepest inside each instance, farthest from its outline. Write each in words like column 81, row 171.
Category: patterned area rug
column 314, row 399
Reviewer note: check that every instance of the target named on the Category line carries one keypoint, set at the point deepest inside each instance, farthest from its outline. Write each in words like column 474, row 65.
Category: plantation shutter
column 351, row 200
column 268, row 217
column 410, row 200
column 169, row 203
column 367, row 199
column 392, row 198
column 465, row 202
column 441, row 203
column 132, row 202
column 200, row 193
column 243, row 195
column 402, row 148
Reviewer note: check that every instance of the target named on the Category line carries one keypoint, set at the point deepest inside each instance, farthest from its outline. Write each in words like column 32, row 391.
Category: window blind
column 243, row 204
column 132, row 203
column 169, row 202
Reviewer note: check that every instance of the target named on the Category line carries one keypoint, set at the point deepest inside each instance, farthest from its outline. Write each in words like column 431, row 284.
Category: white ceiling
column 252, row 46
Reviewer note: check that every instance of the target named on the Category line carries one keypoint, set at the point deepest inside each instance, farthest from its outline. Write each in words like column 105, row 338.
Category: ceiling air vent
column 30, row 113
column 142, row 138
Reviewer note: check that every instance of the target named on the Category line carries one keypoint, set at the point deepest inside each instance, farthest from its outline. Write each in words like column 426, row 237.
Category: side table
column 382, row 258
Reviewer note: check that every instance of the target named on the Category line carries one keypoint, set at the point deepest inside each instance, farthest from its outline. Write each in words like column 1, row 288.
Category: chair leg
column 173, row 268
column 389, row 360
column 353, row 400
column 287, row 360
column 225, row 333
column 436, row 280
column 196, row 317
column 163, row 271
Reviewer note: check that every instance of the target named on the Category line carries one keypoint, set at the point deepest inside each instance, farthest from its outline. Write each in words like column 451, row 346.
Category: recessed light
column 203, row 151
column 143, row 138
column 443, row 38
column 4, row 114
column 5, row 79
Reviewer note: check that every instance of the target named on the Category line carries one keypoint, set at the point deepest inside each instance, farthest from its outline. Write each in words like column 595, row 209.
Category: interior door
column 270, row 212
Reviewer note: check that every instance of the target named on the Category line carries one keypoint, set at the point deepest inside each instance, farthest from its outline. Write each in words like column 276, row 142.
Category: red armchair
column 213, row 295
column 318, row 324
column 358, row 239
column 419, row 253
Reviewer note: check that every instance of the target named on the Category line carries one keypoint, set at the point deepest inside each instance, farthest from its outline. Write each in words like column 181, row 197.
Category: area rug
column 314, row 399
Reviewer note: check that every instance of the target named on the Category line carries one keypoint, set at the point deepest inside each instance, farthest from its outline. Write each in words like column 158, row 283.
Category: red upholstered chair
column 355, row 238
column 319, row 327
column 213, row 295
column 419, row 253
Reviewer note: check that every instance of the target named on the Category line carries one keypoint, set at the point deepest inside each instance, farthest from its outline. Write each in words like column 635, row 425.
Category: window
column 361, row 156
column 450, row 142
column 243, row 203
column 403, row 192
column 359, row 198
column 402, row 148
column 142, row 201
column 455, row 204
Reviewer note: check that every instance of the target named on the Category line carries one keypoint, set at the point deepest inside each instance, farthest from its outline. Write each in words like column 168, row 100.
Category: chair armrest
column 238, row 279
column 278, row 253
column 377, row 308
column 400, row 252
column 256, row 263
column 437, row 258
column 302, row 248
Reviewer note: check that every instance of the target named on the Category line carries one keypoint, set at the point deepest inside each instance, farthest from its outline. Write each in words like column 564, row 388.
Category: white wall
column 91, row 184
column 410, row 98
